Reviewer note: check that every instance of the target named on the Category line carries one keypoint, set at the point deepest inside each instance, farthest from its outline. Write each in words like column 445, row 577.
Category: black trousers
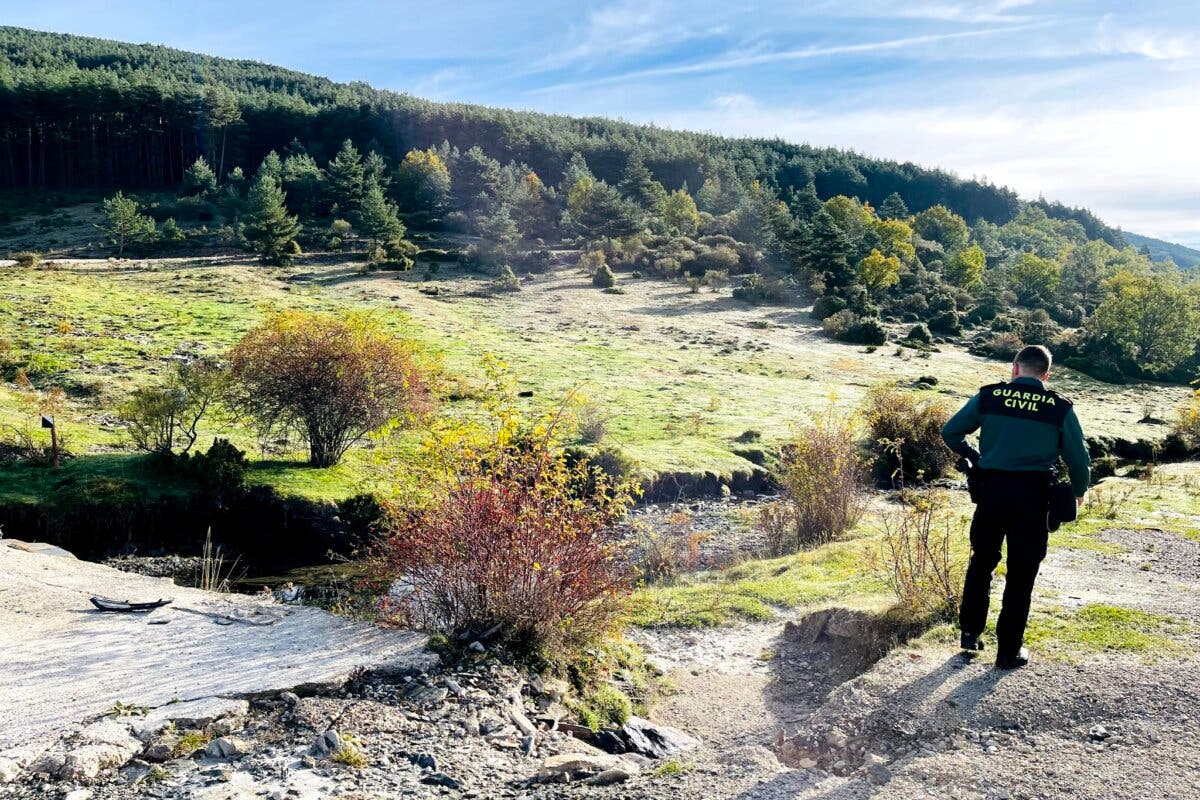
column 1012, row 506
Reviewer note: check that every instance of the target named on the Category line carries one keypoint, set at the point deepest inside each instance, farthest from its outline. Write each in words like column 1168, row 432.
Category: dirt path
column 925, row 722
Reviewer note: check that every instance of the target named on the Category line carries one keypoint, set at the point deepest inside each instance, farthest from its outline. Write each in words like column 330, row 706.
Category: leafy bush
column 868, row 330
column 905, row 434
column 826, row 306
column 222, row 467
column 755, row 289
column 507, row 544
column 839, row 323
column 333, row 379
column 820, row 476
column 158, row 417
column 1003, row 345
column 506, row 281
column 591, row 420
column 436, row 255
column 604, row 278
column 918, row 557
column 919, row 333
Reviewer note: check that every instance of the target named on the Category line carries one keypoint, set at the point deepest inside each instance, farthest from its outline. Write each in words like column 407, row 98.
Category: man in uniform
column 1023, row 429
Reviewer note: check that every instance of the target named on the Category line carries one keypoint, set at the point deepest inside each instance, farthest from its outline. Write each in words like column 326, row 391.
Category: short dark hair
column 1034, row 359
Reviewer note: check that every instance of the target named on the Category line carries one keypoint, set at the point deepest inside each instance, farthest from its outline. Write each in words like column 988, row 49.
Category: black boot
column 971, row 642
column 1013, row 661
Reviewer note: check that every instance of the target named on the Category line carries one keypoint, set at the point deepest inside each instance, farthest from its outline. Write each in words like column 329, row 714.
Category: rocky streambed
column 473, row 731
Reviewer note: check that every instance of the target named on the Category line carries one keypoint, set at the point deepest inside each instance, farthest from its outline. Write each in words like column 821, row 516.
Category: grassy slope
column 684, row 374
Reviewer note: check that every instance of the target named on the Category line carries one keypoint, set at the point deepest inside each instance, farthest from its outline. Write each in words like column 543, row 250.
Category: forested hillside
column 93, row 112
column 226, row 153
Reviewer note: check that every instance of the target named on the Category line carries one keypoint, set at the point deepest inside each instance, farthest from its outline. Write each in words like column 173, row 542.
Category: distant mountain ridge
column 1184, row 256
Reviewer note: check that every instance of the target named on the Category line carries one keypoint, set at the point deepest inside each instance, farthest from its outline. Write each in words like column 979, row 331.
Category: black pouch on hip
column 1063, row 506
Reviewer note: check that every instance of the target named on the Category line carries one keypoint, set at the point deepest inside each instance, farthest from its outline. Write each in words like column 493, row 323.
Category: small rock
column 608, row 777
column 1098, row 733
column 225, row 747
column 79, row 794
column 477, row 647
column 328, row 742
column 425, row 761
column 9, row 770
column 291, row 698
column 441, row 779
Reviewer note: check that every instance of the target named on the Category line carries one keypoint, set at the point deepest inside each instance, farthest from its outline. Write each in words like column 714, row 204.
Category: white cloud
column 625, row 28
column 732, row 61
column 1134, row 166
column 1113, row 39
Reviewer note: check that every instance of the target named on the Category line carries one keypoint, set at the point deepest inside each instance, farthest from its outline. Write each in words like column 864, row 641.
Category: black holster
column 1063, row 505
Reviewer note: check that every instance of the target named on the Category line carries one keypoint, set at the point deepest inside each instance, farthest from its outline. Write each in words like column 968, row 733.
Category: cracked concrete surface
column 63, row 662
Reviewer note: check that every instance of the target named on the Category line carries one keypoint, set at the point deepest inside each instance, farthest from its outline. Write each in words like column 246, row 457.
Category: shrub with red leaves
column 509, row 547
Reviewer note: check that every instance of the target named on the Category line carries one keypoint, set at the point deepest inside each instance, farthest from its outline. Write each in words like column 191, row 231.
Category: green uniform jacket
column 1023, row 427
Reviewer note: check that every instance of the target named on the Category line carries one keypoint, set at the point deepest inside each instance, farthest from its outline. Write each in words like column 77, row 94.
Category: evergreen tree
column 375, row 171
column 576, row 169
column 894, row 207
column 804, row 203
column 638, row 184
column 606, row 213
column 346, row 175
column 377, row 218
column 269, row 230
column 124, row 222
column 199, row 179
column 272, row 167
column 304, row 182
column 232, row 199
column 827, row 253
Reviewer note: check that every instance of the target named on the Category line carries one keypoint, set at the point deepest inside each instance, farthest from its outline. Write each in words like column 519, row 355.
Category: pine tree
column 124, row 222
column 377, row 218
column 638, row 184
column 894, row 207
column 199, row 179
column 271, row 165
column 346, row 176
column 375, row 171
column 270, row 230
column 827, row 255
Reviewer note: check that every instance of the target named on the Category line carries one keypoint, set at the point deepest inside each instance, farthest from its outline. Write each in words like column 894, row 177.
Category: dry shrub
column 906, row 435
column 591, row 421
column 917, row 557
column 27, row 440
column 509, row 547
column 1187, row 422
column 1106, row 502
column 820, row 476
column 27, row 258
column 662, row 554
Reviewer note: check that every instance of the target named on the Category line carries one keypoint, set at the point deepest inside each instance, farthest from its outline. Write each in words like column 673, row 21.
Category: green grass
column 757, row 590
column 683, row 375
column 1098, row 628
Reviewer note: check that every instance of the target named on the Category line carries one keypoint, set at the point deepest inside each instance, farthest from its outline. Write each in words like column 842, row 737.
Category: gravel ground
column 793, row 708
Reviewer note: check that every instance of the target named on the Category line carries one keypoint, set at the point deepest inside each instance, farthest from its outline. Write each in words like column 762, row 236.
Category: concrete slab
column 62, row 662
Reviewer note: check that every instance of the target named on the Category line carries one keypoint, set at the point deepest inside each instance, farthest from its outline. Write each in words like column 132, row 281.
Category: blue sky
column 1092, row 103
